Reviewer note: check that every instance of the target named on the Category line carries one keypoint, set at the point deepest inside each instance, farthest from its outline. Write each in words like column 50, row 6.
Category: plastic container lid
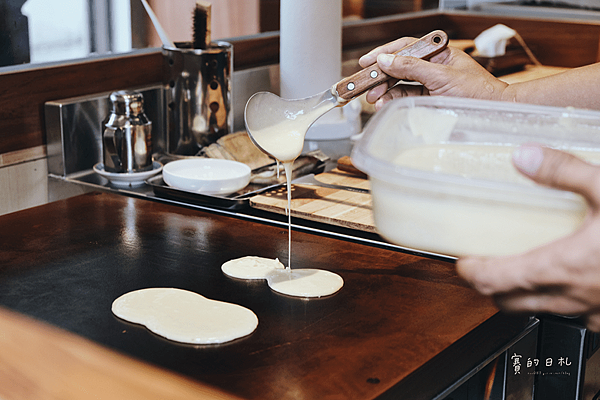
column 442, row 178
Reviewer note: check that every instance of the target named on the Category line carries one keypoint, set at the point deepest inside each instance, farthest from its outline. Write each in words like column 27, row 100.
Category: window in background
column 63, row 30
column 57, row 28
column 14, row 35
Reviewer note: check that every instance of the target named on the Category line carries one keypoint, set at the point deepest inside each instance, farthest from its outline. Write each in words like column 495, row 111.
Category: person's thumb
column 403, row 67
column 559, row 170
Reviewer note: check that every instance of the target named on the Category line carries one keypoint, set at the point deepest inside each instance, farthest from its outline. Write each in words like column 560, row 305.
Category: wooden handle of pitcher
column 425, row 47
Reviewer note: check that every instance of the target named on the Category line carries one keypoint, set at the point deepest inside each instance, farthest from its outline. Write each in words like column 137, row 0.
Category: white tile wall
column 23, row 185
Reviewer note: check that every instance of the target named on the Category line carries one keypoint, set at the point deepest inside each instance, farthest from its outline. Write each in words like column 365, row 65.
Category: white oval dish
column 207, row 175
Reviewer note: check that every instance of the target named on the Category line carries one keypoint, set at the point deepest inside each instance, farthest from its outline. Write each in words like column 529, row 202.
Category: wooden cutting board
column 331, row 206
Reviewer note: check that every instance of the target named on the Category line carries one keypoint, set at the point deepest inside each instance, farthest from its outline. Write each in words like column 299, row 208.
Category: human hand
column 562, row 277
column 449, row 73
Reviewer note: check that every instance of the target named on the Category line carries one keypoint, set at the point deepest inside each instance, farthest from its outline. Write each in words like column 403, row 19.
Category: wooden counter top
column 401, row 323
column 38, row 361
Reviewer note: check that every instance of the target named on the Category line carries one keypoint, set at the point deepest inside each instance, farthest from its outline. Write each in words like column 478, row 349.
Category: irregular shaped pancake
column 305, row 282
column 250, row 267
column 292, row 282
column 185, row 316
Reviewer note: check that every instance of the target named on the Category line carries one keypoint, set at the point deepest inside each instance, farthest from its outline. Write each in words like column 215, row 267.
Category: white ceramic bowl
column 207, row 175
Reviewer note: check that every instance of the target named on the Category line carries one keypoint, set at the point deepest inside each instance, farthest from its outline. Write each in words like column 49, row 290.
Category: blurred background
column 40, row 31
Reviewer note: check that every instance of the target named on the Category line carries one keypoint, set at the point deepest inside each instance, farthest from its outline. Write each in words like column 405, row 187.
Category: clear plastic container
column 443, row 182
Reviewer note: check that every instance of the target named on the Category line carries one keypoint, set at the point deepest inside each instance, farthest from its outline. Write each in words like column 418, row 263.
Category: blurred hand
column 449, row 73
column 562, row 277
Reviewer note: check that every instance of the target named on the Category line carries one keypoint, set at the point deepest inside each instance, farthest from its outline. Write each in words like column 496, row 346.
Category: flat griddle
column 402, row 326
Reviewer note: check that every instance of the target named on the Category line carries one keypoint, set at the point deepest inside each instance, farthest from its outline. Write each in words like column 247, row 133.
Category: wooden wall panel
column 556, row 43
column 559, row 43
column 23, row 93
column 371, row 33
column 23, row 185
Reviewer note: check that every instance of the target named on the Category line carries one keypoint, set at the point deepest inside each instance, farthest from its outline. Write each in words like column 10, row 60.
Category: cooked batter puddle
column 187, row 317
column 291, row 282
column 250, row 267
column 184, row 316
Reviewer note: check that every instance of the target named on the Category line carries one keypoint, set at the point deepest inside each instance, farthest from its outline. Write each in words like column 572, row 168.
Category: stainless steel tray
column 235, row 201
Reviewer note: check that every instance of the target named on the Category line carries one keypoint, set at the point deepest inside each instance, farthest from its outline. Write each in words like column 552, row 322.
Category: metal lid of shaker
column 126, row 102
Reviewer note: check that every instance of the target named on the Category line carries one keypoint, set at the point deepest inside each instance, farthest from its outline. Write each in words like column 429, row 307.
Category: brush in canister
column 201, row 24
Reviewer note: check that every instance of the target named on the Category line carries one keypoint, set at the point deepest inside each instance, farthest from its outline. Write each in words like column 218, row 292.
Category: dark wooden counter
column 401, row 323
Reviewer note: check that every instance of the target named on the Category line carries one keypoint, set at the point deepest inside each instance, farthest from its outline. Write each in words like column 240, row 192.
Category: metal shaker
column 197, row 96
column 127, row 135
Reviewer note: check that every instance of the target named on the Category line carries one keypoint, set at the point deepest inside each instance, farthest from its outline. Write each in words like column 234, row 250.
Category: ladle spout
column 277, row 126
column 270, row 120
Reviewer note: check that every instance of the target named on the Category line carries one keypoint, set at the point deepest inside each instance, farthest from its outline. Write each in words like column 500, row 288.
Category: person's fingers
column 553, row 301
column 371, row 57
column 376, row 92
column 560, row 277
column 435, row 77
column 559, row 170
column 445, row 56
column 547, row 266
column 493, row 275
column 593, row 322
column 407, row 68
column 399, row 91
column 394, row 69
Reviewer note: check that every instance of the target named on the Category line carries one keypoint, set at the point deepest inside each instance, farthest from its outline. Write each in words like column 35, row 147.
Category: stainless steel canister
column 127, row 134
column 197, row 96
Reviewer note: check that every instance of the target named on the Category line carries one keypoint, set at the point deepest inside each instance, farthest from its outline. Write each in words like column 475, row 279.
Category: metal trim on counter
column 164, row 191
column 92, row 181
column 468, row 367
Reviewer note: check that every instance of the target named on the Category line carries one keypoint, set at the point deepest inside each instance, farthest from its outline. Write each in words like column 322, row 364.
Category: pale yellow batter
column 305, row 282
column 292, row 282
column 285, row 139
column 468, row 161
column 462, row 220
column 185, row 316
column 251, row 267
